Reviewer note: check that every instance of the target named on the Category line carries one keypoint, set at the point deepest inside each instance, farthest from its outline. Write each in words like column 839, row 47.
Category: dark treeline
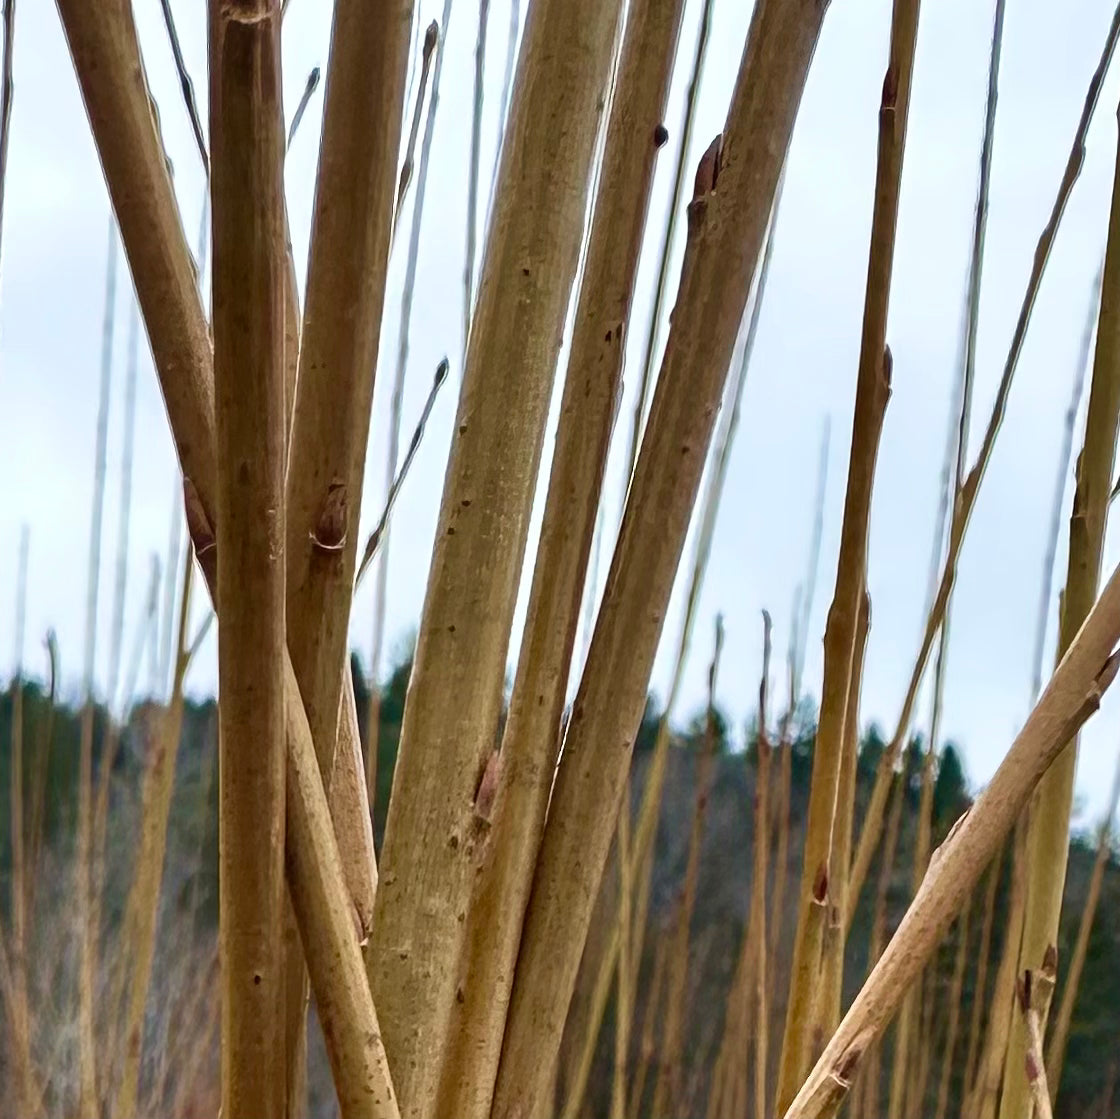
column 51, row 740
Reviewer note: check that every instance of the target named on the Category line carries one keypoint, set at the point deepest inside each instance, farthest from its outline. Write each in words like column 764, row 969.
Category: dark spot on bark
column 660, row 136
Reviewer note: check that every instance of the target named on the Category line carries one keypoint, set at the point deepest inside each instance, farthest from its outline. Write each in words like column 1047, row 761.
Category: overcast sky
column 51, row 308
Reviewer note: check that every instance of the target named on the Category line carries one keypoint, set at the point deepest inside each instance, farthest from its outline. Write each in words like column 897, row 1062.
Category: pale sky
column 51, row 306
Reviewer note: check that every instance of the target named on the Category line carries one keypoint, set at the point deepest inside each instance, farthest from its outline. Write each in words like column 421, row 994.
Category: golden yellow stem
column 872, row 392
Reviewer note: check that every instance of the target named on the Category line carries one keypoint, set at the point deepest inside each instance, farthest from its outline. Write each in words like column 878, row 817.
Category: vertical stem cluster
column 727, row 228
column 105, row 51
column 649, row 355
column 434, row 833
column 588, row 408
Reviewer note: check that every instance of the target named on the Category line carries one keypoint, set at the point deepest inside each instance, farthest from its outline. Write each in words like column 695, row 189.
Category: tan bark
column 472, row 178
column 338, row 355
column 435, row 826
column 1035, row 989
column 587, row 412
column 727, row 229
column 373, row 724
column 329, row 932
column 246, row 127
column 1071, row 697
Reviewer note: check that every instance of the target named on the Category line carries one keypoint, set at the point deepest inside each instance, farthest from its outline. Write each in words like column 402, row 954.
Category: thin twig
column 309, row 89
column 679, row 177
column 1061, row 482
column 431, row 42
column 144, row 894
column 87, row 912
column 472, row 179
column 185, row 84
column 378, row 534
column 503, row 107
column 809, row 587
column 7, row 90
